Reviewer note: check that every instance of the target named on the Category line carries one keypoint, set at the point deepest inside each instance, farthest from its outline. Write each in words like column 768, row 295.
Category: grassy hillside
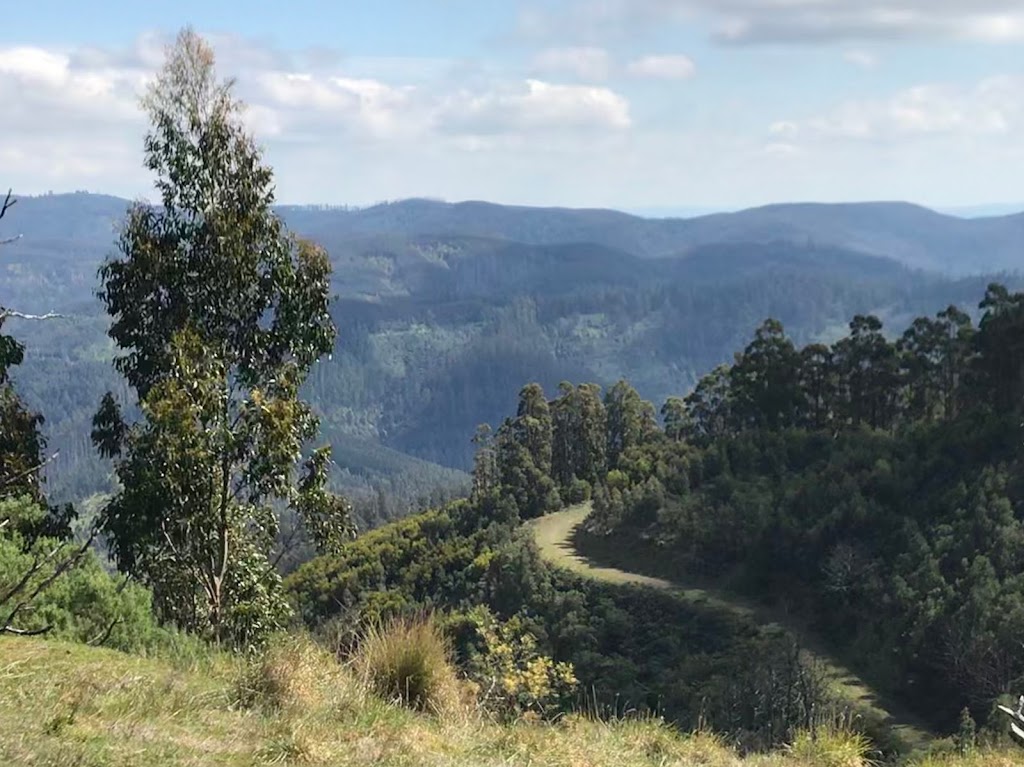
column 63, row 705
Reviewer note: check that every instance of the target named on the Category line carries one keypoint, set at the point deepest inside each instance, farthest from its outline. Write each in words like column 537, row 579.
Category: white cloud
column 332, row 127
column 586, row 63
column 337, row 129
column 780, row 149
column 535, row 106
column 45, row 82
column 666, row 67
column 992, row 107
column 861, row 59
column 302, row 101
column 744, row 22
column 784, row 128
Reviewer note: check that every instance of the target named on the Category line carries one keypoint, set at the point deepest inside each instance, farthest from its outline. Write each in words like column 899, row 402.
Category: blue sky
column 634, row 104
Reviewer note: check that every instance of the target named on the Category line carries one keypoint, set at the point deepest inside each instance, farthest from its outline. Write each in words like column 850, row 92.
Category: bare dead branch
column 26, row 632
column 6, row 206
column 33, row 470
column 8, row 203
column 5, row 313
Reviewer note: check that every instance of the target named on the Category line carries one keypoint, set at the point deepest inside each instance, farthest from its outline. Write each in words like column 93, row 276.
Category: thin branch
column 9, row 240
column 5, row 313
column 102, row 638
column 286, row 545
column 26, row 632
column 27, row 472
column 9, row 202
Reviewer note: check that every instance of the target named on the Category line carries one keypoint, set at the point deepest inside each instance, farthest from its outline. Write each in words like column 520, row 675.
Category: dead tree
column 48, row 559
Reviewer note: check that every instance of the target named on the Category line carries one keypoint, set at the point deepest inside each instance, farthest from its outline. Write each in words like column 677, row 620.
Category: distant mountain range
column 446, row 309
column 68, row 235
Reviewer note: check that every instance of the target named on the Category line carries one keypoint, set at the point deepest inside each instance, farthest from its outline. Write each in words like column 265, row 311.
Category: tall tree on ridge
column 630, row 420
column 764, row 380
column 218, row 314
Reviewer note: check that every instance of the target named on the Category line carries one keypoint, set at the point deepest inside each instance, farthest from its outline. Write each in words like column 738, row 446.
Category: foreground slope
column 63, row 704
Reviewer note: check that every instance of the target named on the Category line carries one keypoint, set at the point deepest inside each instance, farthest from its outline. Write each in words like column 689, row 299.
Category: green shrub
column 83, row 604
column 617, row 480
column 579, row 491
column 408, row 661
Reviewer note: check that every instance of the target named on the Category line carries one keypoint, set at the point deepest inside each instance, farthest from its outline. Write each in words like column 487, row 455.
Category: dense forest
column 437, row 330
column 873, row 486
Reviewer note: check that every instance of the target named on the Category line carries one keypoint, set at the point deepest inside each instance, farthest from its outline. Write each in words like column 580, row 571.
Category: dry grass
column 982, row 758
column 408, row 661
column 831, row 747
column 295, row 674
column 63, row 705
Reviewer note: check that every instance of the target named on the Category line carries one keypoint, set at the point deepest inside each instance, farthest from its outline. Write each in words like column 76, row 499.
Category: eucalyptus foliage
column 218, row 314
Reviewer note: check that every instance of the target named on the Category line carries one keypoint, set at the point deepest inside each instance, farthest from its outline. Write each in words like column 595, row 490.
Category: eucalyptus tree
column 218, row 314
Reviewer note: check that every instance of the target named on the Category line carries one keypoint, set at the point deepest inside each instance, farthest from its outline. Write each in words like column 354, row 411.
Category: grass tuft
column 832, row 747
column 292, row 673
column 408, row 661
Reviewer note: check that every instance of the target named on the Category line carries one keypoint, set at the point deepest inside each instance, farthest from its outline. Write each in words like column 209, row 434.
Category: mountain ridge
column 915, row 235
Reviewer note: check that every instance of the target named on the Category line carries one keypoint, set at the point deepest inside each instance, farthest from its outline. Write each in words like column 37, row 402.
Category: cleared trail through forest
column 554, row 536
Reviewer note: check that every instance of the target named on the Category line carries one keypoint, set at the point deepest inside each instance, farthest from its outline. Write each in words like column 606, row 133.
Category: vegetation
column 870, row 484
column 218, row 316
column 630, row 649
column 70, row 704
column 407, row 660
column 867, row 488
column 64, row 704
column 440, row 329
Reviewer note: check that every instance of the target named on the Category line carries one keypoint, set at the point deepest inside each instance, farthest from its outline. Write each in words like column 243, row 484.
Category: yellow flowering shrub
column 513, row 677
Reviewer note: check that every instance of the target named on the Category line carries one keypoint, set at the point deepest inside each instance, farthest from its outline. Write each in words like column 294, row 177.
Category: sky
column 644, row 105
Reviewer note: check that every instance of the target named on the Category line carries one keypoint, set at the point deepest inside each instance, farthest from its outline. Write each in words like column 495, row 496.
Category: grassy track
column 554, row 536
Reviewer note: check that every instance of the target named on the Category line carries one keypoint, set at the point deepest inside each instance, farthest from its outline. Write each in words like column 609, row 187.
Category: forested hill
column 868, row 491
column 77, row 229
column 444, row 308
column 911, row 234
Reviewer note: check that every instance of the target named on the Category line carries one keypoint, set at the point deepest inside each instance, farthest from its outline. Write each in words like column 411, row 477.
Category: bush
column 407, row 661
column 291, row 672
column 577, row 492
column 83, row 604
column 514, row 678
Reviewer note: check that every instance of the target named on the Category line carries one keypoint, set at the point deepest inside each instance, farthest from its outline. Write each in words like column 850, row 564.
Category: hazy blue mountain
column 66, row 236
column 445, row 310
